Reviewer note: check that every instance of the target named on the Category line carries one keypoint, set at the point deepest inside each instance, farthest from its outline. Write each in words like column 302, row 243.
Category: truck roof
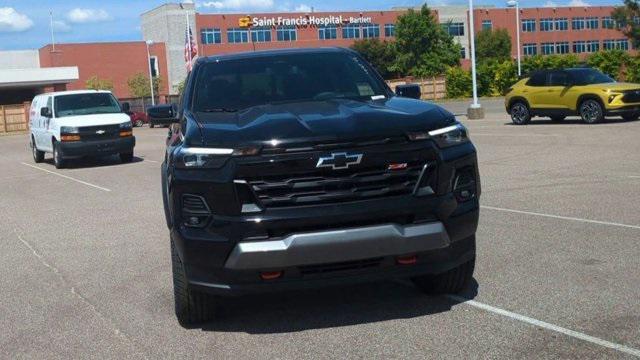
column 263, row 53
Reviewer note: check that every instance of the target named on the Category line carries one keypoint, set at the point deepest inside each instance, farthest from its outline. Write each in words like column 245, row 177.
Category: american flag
column 190, row 49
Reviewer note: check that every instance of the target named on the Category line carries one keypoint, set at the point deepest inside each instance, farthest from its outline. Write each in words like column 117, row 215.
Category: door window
column 558, row 78
column 537, row 79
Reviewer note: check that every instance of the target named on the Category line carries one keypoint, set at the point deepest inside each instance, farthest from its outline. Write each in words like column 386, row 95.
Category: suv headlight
column 208, row 158
column 448, row 136
column 125, row 125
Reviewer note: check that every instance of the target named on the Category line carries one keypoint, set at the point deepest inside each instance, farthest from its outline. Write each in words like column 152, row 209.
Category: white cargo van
column 74, row 124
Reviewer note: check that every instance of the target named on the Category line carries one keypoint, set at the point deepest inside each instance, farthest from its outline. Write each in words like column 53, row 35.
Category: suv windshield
column 232, row 85
column 85, row 104
column 589, row 76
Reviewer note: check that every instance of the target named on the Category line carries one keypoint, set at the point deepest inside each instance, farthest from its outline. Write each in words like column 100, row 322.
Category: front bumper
column 81, row 148
column 624, row 110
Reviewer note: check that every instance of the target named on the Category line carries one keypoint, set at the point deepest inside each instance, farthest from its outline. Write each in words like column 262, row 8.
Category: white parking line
column 66, row 177
column 634, row 177
column 548, row 326
column 562, row 217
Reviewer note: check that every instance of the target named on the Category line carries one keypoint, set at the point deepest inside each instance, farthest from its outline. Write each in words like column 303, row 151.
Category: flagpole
column 53, row 40
column 189, row 39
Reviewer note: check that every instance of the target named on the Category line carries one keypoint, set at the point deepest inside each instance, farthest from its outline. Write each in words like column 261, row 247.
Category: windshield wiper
column 219, row 110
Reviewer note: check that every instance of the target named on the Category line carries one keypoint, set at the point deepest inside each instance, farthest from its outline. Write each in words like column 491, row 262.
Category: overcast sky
column 24, row 24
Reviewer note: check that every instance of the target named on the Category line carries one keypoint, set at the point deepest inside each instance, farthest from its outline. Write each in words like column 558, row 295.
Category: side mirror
column 126, row 107
column 409, row 91
column 45, row 111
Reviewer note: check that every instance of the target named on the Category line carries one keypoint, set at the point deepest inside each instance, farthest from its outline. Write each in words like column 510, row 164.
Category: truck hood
column 93, row 120
column 321, row 121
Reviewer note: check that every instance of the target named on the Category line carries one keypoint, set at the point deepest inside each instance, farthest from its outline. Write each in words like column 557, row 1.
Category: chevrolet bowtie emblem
column 338, row 161
column 100, row 132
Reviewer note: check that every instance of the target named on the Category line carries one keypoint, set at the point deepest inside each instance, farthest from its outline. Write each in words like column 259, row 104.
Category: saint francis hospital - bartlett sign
column 302, row 21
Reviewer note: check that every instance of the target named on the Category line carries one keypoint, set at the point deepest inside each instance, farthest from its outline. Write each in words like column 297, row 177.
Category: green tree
column 628, row 18
column 610, row 62
column 423, row 47
column 493, row 44
column 539, row 62
column 633, row 70
column 139, row 85
column 458, row 82
column 95, row 83
column 381, row 54
column 180, row 87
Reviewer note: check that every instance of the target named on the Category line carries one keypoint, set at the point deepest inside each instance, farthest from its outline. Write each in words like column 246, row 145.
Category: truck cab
column 75, row 124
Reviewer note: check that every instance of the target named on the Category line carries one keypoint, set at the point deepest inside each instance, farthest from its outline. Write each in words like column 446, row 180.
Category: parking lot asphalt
column 85, row 267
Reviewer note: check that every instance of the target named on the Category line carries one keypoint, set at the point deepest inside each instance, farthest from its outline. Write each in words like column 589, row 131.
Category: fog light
column 406, row 260
column 194, row 220
column 270, row 275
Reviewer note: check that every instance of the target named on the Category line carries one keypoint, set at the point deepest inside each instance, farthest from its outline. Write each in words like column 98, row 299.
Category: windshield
column 232, row 85
column 589, row 76
column 85, row 104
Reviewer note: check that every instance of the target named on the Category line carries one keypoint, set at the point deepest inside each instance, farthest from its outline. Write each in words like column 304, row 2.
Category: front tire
column 520, row 114
column 126, row 157
column 450, row 282
column 191, row 307
column 38, row 156
column 591, row 111
column 58, row 161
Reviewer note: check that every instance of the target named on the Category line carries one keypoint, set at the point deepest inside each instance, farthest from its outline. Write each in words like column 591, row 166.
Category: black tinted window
column 589, row 76
column 85, row 104
column 558, row 78
column 239, row 84
column 537, row 79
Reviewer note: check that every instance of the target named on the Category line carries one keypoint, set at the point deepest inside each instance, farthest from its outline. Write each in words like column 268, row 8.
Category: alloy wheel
column 519, row 113
column 591, row 111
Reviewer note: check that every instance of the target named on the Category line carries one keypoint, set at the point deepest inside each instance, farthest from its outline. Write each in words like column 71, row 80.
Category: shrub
column 610, row 62
column 458, row 82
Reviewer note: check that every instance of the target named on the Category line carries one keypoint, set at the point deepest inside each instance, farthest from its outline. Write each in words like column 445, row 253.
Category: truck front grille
column 101, row 132
column 336, row 186
column 631, row 96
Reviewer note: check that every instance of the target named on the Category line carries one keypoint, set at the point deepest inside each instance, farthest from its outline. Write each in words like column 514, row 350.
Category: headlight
column 68, row 130
column 450, row 135
column 125, row 125
column 209, row 158
column 447, row 136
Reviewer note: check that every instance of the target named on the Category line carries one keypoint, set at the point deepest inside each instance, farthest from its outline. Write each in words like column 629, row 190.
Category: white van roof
column 70, row 92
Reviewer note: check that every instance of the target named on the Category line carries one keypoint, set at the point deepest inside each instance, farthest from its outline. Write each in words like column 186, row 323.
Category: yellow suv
column 578, row 91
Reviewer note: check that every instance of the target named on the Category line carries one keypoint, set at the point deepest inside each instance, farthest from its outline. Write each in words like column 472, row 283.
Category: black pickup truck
column 300, row 168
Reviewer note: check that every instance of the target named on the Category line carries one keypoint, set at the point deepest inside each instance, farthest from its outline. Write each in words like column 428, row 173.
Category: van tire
column 38, row 156
column 450, row 282
column 58, row 161
column 126, row 157
column 191, row 306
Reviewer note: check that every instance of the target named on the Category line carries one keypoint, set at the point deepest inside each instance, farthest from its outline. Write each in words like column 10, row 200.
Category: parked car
column 73, row 124
column 160, row 115
column 138, row 118
column 300, row 167
column 577, row 91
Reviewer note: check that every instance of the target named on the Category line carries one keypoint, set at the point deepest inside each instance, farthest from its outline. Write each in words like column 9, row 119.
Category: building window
column 210, row 36
column 389, row 30
column 607, row 22
column 286, row 33
column 153, row 65
column 562, row 24
column 487, row 25
column 327, row 32
column 579, row 47
column 546, row 24
column 370, row 31
column 351, row 31
column 547, row 48
column 237, row 35
column 530, row 49
column 622, row 44
column 636, row 20
column 454, row 28
column 261, row 34
column 608, row 44
column 562, row 47
column 463, row 53
column 528, row 25
column 593, row 46
column 592, row 22
column 577, row 23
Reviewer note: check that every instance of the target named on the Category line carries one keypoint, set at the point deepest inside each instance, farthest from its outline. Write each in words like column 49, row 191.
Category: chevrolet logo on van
column 100, row 132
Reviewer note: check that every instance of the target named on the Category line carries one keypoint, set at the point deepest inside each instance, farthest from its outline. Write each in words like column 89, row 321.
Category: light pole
column 149, row 43
column 474, row 111
column 514, row 3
